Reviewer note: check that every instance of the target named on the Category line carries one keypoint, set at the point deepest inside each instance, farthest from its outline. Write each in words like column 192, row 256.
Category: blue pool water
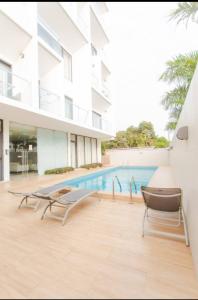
column 102, row 180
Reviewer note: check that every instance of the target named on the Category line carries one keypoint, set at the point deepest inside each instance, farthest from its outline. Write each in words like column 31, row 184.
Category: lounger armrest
column 19, row 193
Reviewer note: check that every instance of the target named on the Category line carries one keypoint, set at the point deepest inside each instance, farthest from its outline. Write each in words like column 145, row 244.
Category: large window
column 68, row 108
column 67, row 66
column 83, row 150
column 49, row 39
column 96, row 120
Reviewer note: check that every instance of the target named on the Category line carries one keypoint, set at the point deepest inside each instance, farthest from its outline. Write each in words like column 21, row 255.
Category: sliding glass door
column 23, row 149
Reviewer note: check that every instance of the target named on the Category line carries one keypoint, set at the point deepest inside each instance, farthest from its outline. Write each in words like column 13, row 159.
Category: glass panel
column 73, row 150
column 87, row 150
column 23, row 148
column 68, row 108
column 49, row 39
column 94, row 150
column 67, row 66
column 81, row 150
column 96, row 120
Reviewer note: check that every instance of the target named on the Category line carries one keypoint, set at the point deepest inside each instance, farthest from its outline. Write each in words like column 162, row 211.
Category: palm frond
column 185, row 12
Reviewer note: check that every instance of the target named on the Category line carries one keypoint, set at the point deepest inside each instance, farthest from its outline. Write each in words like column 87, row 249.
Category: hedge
column 89, row 166
column 59, row 170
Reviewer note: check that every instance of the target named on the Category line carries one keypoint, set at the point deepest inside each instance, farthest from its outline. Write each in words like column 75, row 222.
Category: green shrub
column 89, row 166
column 59, row 170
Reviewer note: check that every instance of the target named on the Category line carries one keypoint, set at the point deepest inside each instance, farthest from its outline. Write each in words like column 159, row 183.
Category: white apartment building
column 55, row 82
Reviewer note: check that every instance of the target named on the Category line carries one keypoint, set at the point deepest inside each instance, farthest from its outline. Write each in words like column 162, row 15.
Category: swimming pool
column 102, row 180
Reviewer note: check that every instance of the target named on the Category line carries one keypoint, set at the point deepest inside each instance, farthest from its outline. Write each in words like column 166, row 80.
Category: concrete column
column 6, row 154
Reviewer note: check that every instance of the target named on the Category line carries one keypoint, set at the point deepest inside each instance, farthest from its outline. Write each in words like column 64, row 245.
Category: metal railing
column 131, row 183
column 113, row 185
column 49, row 101
column 14, row 86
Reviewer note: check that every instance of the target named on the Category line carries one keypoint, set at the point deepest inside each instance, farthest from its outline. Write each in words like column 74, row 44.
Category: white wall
column 183, row 159
column 52, row 149
column 139, row 157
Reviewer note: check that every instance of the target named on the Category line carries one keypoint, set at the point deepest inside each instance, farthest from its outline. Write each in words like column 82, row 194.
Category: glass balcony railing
column 105, row 90
column 100, row 123
column 44, row 33
column 14, row 86
column 76, row 113
column 49, row 101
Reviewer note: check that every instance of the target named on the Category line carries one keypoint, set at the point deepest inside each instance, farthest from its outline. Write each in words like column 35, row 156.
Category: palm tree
column 185, row 11
column 179, row 71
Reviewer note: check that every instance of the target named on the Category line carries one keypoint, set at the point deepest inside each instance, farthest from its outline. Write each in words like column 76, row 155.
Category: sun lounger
column 43, row 193
column 166, row 201
column 67, row 201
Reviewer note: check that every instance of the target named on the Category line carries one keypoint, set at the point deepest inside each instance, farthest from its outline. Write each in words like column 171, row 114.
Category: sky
column 142, row 40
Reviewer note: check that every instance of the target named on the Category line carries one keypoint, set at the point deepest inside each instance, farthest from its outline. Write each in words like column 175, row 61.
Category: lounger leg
column 65, row 216
column 24, row 199
column 185, row 229
column 145, row 214
column 45, row 210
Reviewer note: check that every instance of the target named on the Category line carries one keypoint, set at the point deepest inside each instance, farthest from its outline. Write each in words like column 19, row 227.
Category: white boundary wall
column 184, row 162
column 138, row 157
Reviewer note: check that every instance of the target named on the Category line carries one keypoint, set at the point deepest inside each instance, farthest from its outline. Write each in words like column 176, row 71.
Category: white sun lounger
column 67, row 201
column 43, row 193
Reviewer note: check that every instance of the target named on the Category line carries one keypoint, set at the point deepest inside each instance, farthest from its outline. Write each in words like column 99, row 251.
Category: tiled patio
column 99, row 253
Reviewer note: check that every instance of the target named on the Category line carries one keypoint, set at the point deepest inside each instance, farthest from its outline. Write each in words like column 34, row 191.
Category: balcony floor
column 99, row 253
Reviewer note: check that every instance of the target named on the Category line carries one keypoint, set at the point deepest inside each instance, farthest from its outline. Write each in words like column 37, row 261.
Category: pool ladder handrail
column 132, row 182
column 113, row 183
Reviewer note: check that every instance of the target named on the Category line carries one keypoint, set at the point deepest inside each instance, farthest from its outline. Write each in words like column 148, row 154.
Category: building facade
column 55, row 82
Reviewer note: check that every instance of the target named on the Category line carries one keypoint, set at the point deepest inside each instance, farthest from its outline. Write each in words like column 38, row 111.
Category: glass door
column 73, row 151
column 23, row 149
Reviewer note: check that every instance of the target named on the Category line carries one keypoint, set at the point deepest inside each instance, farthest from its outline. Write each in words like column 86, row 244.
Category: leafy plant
column 59, row 170
column 185, row 12
column 179, row 71
column 90, row 166
column 141, row 136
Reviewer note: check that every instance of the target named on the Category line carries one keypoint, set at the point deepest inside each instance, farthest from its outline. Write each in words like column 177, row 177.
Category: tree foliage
column 185, row 12
column 179, row 70
column 141, row 136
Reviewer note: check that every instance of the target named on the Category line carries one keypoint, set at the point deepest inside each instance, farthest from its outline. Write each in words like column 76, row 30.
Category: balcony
column 99, row 37
column 49, row 101
column 76, row 113
column 14, row 87
column 100, row 94
column 58, row 18
column 15, row 41
column 46, row 34
column 100, row 123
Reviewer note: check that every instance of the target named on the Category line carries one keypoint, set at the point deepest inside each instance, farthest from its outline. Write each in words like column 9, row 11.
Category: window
column 96, row 120
column 93, row 50
column 49, row 39
column 67, row 66
column 68, row 108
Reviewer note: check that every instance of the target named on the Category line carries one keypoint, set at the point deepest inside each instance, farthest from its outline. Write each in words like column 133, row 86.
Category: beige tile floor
column 99, row 253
